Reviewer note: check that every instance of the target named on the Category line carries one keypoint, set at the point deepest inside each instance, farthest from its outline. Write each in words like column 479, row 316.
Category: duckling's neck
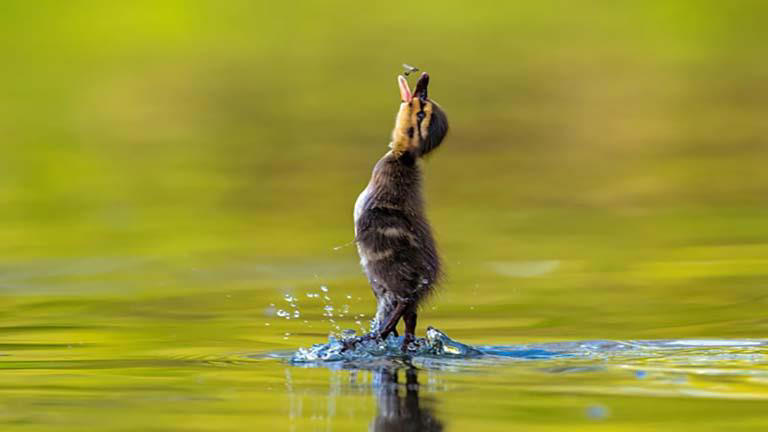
column 396, row 183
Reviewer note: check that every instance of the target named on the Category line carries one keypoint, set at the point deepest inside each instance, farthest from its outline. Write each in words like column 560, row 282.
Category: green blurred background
column 170, row 170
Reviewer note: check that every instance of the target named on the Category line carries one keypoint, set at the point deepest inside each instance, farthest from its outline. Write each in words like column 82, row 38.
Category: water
column 206, row 360
column 584, row 382
column 177, row 182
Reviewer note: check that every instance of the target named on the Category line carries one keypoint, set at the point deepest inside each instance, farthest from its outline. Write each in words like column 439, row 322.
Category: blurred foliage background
column 604, row 175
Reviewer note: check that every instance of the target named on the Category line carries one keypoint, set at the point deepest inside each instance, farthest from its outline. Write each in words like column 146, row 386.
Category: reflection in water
column 398, row 412
column 400, row 406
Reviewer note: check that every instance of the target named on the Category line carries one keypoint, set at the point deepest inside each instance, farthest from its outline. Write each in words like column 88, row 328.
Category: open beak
column 421, row 86
column 405, row 91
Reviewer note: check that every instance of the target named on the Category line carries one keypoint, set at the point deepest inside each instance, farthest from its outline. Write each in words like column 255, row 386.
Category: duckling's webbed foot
column 351, row 343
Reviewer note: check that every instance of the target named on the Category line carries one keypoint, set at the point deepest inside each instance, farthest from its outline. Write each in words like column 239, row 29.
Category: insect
column 409, row 69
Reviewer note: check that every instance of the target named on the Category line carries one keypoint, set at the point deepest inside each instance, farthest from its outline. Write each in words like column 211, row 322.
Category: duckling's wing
column 398, row 250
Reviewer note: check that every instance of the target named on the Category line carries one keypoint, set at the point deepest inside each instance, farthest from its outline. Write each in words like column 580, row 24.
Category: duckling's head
column 421, row 124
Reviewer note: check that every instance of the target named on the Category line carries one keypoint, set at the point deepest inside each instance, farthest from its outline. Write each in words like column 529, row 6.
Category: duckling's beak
column 405, row 91
column 421, row 86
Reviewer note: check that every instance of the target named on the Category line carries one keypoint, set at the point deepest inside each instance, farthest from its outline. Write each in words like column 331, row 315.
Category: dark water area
column 177, row 182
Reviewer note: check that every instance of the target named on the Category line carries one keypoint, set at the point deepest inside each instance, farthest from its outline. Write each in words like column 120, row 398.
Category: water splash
column 436, row 344
column 332, row 314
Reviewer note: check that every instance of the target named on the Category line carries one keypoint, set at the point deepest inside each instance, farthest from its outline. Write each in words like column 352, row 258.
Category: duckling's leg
column 388, row 325
column 410, row 329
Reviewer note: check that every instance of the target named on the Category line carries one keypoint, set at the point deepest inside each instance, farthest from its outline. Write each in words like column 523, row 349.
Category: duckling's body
column 394, row 239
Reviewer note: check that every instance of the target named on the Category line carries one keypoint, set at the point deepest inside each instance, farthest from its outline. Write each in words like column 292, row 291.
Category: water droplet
column 597, row 412
column 296, row 314
column 328, row 310
column 282, row 313
column 323, row 288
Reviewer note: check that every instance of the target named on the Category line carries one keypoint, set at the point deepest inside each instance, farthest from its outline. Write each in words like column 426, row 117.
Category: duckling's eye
column 420, row 115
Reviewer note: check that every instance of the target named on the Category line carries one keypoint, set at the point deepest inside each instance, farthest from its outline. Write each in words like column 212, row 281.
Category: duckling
column 394, row 239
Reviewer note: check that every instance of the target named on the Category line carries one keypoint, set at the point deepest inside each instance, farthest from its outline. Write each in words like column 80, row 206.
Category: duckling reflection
column 398, row 412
